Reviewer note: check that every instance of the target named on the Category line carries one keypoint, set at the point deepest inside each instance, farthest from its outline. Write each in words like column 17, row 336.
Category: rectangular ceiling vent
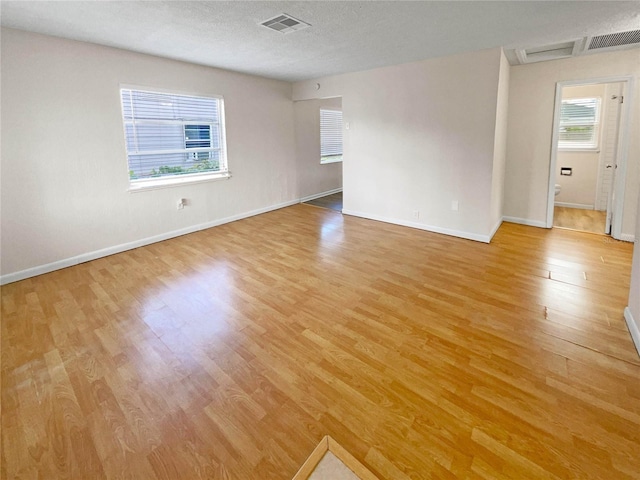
column 548, row 52
column 615, row 40
column 284, row 23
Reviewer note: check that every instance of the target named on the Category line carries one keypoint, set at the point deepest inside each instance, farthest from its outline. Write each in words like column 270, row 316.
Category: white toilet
column 558, row 187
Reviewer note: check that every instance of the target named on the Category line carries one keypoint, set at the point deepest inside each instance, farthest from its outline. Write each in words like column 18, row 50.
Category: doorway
column 319, row 153
column 586, row 181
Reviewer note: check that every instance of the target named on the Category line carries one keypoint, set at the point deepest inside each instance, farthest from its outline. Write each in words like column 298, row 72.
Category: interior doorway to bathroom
column 586, row 178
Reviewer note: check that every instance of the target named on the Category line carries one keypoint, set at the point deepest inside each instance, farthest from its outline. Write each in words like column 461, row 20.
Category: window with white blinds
column 579, row 123
column 330, row 136
column 170, row 135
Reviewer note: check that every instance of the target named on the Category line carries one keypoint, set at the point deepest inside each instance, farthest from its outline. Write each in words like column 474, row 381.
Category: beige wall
column 580, row 187
column 314, row 177
column 64, row 168
column 531, row 106
column 421, row 136
column 500, row 143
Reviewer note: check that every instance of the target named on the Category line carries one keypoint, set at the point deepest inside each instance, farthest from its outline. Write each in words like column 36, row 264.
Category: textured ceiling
column 344, row 36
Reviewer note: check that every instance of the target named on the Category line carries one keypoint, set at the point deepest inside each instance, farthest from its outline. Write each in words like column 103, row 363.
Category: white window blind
column 330, row 135
column 172, row 135
column 579, row 123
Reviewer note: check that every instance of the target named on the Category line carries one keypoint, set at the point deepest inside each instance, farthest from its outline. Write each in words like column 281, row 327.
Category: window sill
column 575, row 149
column 157, row 183
column 327, row 162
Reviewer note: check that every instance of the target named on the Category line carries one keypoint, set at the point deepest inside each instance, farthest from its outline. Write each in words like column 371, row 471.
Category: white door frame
column 622, row 150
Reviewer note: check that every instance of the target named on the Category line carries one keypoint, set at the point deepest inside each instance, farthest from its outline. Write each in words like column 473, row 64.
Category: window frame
column 333, row 160
column 169, row 180
column 594, row 146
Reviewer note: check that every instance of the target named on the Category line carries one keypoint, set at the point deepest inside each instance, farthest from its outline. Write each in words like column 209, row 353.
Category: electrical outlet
column 416, row 214
column 181, row 203
column 454, row 205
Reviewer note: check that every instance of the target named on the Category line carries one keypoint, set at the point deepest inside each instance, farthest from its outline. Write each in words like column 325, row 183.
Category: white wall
column 421, row 136
column 579, row 189
column 632, row 312
column 65, row 177
column 500, row 143
column 314, row 177
column 531, row 106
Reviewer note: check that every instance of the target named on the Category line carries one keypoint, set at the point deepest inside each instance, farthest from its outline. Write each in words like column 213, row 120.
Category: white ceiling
column 345, row 36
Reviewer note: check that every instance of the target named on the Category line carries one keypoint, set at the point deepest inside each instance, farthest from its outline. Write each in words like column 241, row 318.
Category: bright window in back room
column 172, row 138
column 330, row 136
column 579, row 124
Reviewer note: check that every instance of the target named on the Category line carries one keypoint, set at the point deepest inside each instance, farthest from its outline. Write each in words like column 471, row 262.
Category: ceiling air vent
column 548, row 52
column 615, row 40
column 285, row 24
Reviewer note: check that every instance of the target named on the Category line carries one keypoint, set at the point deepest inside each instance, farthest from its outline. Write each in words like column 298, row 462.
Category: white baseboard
column 421, row 226
column 318, row 195
column 105, row 252
column 633, row 328
column 626, row 237
column 582, row 206
column 525, row 221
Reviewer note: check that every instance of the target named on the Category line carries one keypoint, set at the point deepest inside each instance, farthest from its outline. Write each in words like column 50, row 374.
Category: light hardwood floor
column 231, row 352
column 333, row 201
column 592, row 221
